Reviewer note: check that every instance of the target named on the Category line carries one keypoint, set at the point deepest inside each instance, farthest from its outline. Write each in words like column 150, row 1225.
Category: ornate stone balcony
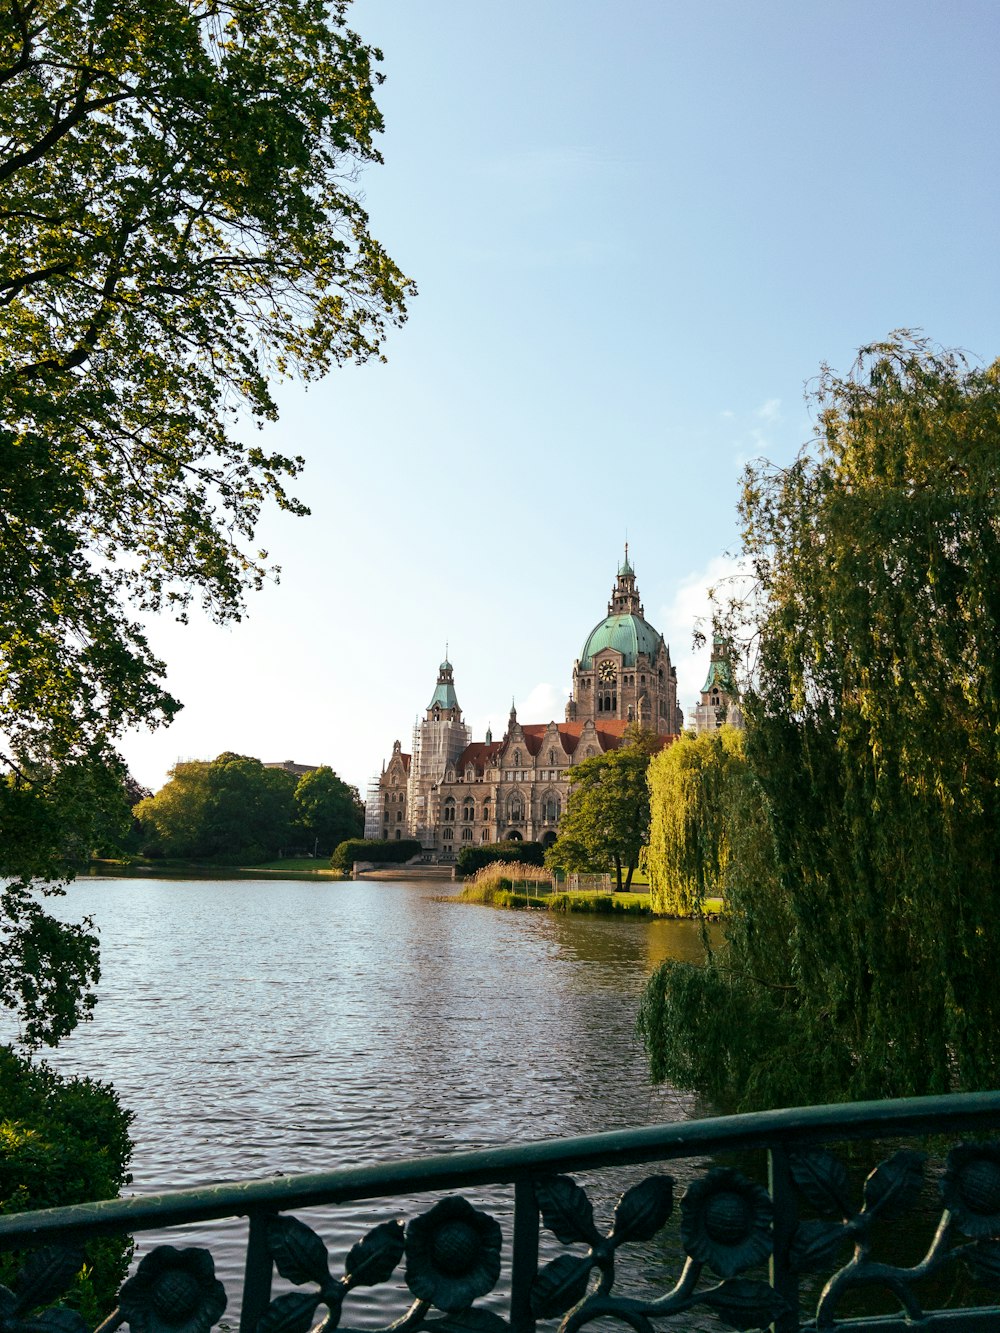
column 790, row 1255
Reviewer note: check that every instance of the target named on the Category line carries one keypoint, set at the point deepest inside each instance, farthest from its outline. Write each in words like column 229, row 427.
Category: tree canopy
column 873, row 739
column 180, row 222
column 606, row 822
column 327, row 810
column 235, row 809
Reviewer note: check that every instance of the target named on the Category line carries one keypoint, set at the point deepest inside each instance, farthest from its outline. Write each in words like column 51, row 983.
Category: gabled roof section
column 480, row 754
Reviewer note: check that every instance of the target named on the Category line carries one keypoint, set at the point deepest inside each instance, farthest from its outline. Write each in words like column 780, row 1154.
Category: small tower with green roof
column 438, row 740
column 718, row 703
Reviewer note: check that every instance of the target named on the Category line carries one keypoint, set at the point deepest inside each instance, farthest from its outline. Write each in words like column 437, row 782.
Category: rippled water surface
column 258, row 1027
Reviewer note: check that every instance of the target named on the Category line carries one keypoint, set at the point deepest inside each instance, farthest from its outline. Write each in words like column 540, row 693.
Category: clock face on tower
column 607, row 671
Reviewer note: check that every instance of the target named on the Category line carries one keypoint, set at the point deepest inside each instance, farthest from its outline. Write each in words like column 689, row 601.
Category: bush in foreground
column 63, row 1141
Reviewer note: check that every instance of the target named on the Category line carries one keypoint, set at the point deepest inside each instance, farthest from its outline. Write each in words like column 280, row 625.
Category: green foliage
column 179, row 222
column 63, row 1141
column 51, row 820
column 374, row 849
column 231, row 810
column 606, row 823
column 471, row 859
column 601, row 904
column 702, row 798
column 327, row 810
column 862, row 930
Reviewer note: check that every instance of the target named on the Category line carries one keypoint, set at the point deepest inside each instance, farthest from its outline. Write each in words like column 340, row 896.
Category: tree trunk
column 618, row 871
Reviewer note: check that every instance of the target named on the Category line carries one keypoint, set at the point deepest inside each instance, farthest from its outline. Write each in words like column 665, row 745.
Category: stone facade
column 452, row 792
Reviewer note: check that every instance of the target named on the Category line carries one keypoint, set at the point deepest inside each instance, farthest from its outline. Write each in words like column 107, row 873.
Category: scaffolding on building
column 373, row 809
column 416, row 800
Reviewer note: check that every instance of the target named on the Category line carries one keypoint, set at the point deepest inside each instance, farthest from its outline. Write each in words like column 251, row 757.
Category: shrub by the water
column 64, row 1140
column 374, row 849
column 471, row 859
column 488, row 883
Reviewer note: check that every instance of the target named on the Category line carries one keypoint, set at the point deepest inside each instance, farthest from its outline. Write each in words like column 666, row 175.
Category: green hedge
column 373, row 849
column 471, row 859
column 64, row 1140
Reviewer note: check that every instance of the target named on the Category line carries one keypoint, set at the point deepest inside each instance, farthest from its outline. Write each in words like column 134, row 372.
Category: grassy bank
column 303, row 868
column 508, row 884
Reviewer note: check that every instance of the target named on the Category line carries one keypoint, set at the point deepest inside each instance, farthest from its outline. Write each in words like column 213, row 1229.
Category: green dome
column 627, row 634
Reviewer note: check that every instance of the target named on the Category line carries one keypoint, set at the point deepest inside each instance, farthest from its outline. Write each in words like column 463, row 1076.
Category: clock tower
column 624, row 673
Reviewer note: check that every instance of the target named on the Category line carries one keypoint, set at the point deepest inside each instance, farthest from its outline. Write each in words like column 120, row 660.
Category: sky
column 638, row 231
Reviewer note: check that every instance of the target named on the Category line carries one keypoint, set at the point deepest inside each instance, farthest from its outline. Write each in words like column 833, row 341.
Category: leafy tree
column 51, row 820
column 873, row 738
column 691, row 789
column 231, row 809
column 179, row 221
column 606, row 822
column 327, row 809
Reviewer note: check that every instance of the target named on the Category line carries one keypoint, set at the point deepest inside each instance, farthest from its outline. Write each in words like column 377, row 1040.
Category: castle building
column 451, row 791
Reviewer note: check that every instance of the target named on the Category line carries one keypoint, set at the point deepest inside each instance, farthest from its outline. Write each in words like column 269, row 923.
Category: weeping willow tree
column 873, row 743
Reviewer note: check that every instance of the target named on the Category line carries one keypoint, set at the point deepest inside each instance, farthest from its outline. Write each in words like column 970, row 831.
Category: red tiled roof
column 479, row 755
column 610, row 734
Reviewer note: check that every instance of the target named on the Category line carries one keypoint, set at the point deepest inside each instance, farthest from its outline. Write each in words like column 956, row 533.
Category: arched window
column 399, row 816
column 469, row 774
column 515, row 809
column 468, row 810
column 485, row 835
column 449, row 809
column 517, row 758
column 399, row 834
column 448, row 834
column 550, row 808
column 552, row 756
column 486, row 808
column 466, row 835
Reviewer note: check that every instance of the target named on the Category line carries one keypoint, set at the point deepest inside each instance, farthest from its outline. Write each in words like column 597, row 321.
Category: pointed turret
column 444, row 700
column 625, row 595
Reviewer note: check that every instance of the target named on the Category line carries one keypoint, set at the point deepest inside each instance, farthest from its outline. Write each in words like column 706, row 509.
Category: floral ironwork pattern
column 725, row 1226
column 44, row 1277
column 450, row 1254
column 173, row 1291
column 970, row 1191
column 452, row 1258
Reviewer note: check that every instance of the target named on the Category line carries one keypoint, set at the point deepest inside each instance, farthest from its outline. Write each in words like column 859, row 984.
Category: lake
column 258, row 1027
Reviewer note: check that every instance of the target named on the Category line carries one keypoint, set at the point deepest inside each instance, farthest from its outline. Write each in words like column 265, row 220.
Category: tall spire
column 625, row 594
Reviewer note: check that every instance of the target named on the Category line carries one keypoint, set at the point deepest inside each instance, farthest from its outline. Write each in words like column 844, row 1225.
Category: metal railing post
column 524, row 1259
column 257, row 1273
column 783, row 1280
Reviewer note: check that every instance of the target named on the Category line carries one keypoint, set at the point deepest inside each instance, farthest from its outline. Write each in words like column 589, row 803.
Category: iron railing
column 783, row 1256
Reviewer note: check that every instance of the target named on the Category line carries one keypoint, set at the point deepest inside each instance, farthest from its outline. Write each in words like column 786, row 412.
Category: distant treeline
column 234, row 810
